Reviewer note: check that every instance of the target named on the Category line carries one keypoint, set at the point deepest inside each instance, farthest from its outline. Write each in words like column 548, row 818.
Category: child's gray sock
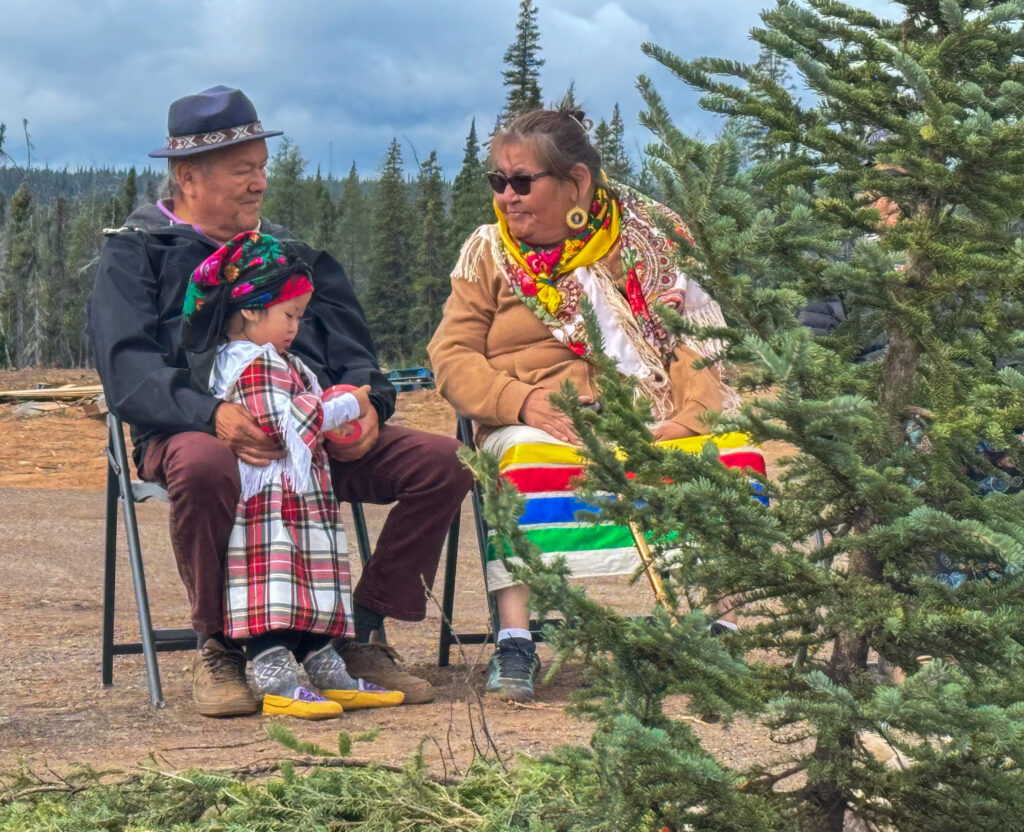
column 327, row 671
column 275, row 672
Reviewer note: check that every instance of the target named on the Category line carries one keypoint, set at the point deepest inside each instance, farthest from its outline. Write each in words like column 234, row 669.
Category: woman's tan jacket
column 491, row 351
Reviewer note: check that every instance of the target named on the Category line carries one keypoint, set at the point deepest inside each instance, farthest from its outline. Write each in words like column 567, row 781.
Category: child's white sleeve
column 340, row 409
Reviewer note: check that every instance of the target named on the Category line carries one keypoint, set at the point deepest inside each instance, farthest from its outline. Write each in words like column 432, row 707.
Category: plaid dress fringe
column 287, row 563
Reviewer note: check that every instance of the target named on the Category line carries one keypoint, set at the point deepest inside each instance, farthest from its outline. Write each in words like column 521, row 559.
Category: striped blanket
column 542, row 469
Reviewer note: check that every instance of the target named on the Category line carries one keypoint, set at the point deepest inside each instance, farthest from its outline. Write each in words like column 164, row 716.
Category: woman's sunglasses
column 520, row 182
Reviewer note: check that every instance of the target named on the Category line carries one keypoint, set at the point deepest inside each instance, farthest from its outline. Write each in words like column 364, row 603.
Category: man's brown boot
column 378, row 663
column 218, row 681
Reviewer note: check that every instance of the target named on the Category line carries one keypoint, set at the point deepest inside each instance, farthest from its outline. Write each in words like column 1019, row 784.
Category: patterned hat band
column 205, row 140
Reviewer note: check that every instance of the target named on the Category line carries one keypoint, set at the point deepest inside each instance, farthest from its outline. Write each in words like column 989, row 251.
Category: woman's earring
column 576, row 218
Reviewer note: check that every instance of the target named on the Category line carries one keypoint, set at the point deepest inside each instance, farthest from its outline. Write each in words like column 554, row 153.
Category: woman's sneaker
column 512, row 669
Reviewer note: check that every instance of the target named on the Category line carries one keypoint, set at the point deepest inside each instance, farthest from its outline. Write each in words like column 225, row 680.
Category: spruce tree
column 56, row 350
column 754, row 139
column 471, row 197
column 129, row 193
column 20, row 315
column 353, row 223
column 609, row 137
column 646, row 182
column 324, row 234
column 388, row 294
column 523, row 62
column 915, row 563
column 431, row 266
column 568, row 101
column 85, row 242
column 287, row 201
column 601, row 137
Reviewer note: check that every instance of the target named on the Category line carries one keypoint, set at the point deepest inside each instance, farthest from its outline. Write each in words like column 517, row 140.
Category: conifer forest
column 858, row 218
column 396, row 230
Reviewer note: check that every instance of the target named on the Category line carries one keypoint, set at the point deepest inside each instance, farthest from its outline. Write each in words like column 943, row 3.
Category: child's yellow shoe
column 367, row 695
column 304, row 704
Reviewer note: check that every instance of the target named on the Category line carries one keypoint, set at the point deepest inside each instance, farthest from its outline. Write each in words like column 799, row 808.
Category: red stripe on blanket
column 559, row 478
column 744, row 459
column 532, row 480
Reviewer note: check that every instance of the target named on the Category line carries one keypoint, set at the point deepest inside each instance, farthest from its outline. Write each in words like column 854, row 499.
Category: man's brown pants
column 419, row 470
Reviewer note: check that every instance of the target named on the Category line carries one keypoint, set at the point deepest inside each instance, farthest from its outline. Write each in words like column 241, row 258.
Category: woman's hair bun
column 580, row 117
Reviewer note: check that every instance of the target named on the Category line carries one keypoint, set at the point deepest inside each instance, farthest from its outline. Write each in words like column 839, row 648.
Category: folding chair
column 464, row 433
column 121, row 489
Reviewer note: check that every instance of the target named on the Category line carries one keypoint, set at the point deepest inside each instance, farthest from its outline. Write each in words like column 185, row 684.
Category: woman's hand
column 538, row 412
column 664, row 431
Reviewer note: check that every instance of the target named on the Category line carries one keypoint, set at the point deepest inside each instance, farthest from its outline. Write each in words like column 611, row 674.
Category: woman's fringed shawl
column 633, row 333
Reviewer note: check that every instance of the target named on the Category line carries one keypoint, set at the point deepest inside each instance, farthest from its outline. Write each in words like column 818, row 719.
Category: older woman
column 512, row 330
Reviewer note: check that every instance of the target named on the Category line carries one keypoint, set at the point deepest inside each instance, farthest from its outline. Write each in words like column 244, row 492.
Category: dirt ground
column 54, row 711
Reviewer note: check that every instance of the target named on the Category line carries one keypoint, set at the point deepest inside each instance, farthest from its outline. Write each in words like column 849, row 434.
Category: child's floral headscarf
column 250, row 271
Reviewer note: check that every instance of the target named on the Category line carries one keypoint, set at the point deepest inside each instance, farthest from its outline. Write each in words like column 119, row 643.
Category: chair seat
column 142, row 491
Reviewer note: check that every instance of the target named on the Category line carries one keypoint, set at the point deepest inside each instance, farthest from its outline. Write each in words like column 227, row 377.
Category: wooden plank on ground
column 67, row 391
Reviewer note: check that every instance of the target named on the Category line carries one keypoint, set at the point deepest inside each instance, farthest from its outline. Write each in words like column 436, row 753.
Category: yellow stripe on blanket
column 532, row 453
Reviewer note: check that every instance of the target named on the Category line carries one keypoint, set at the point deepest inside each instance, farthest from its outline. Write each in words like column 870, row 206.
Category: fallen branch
column 239, row 772
column 254, row 769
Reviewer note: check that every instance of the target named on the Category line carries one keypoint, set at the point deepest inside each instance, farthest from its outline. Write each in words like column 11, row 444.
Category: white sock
column 729, row 624
column 514, row 632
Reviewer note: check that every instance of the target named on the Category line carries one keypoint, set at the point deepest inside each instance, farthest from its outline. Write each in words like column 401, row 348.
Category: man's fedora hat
column 217, row 117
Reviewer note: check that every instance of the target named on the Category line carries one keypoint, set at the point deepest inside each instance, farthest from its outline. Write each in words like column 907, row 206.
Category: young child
column 287, row 590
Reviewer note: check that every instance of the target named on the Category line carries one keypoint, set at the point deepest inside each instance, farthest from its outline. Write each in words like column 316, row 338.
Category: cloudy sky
column 340, row 77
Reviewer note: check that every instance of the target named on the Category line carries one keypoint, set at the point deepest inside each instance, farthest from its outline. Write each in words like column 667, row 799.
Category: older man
column 189, row 440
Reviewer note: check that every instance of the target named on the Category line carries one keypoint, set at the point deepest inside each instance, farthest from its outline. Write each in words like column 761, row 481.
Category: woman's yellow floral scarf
column 541, row 267
column 625, row 291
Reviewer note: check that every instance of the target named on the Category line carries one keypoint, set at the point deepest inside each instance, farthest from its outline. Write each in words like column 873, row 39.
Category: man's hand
column 237, row 426
column 347, row 432
column 538, row 412
column 362, row 395
column 355, row 450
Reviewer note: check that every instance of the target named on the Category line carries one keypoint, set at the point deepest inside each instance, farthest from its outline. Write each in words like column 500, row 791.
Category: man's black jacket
column 135, row 327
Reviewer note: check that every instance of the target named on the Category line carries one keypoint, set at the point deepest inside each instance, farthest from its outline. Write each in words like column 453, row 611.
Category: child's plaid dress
column 287, row 564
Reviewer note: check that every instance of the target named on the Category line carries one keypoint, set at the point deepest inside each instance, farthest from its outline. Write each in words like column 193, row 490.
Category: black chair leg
column 448, row 592
column 363, row 542
column 448, row 636
column 109, row 567
column 481, row 539
column 131, row 527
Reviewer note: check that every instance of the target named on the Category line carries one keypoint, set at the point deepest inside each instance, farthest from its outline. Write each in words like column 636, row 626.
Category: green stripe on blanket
column 571, row 540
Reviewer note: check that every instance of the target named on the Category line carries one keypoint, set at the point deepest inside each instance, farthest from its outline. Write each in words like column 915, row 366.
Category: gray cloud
column 94, row 78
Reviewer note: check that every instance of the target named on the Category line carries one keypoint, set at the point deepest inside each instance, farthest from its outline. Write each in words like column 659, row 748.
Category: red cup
column 354, row 428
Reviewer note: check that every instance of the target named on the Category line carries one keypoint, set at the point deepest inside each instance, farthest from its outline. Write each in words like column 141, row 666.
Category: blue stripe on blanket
column 553, row 510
